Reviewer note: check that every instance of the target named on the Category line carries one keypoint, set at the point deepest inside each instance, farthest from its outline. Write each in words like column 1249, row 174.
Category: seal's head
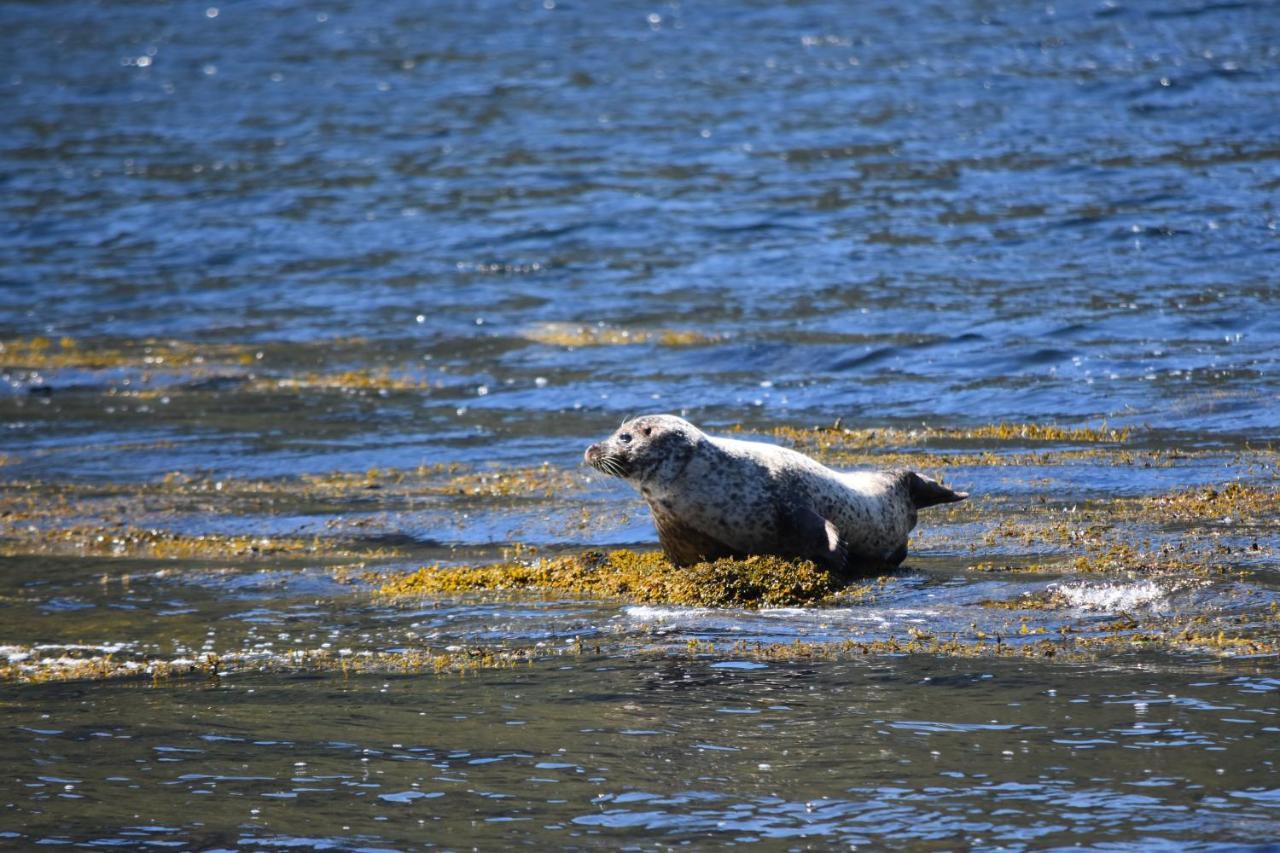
column 648, row 450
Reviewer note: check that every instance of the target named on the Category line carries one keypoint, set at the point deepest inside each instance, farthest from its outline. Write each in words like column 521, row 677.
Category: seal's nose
column 591, row 454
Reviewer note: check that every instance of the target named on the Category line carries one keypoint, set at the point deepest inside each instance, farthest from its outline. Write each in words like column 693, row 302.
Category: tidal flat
column 394, row 652
column 1049, row 573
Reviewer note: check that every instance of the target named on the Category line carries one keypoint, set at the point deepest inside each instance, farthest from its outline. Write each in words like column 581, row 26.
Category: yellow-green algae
column 445, row 479
column 78, row 518
column 1184, row 556
column 452, row 660
column 847, row 456
column 41, row 353
column 641, row 577
column 362, row 379
column 543, row 479
column 1211, row 512
column 121, row 540
column 156, row 356
column 461, row 660
column 1047, row 599
column 373, row 478
column 1239, row 638
column 1235, row 500
column 884, row 447
column 33, row 499
column 837, row 436
column 571, row 335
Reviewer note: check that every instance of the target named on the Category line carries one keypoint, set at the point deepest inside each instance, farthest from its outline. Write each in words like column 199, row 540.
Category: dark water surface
column 272, row 273
column 917, row 753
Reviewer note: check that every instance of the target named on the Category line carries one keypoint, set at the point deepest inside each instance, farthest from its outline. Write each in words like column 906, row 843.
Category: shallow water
column 291, row 294
column 920, row 753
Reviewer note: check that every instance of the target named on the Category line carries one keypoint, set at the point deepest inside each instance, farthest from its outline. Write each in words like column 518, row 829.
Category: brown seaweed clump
column 1234, row 501
column 642, row 577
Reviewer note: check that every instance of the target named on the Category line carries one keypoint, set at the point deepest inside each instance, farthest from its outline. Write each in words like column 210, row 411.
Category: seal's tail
column 927, row 492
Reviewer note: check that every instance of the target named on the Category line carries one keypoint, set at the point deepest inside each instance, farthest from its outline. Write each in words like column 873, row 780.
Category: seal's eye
column 625, row 438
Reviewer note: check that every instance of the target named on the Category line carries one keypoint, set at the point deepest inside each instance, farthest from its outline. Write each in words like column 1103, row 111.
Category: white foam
column 784, row 612
column 1113, row 597
column 646, row 613
column 105, row 648
column 15, row 654
column 686, row 615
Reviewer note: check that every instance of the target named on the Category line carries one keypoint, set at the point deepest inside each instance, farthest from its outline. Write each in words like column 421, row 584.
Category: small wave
column 15, row 654
column 1113, row 597
column 105, row 648
column 647, row 613
column 685, row 615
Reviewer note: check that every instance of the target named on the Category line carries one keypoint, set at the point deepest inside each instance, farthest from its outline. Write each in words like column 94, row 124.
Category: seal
column 721, row 497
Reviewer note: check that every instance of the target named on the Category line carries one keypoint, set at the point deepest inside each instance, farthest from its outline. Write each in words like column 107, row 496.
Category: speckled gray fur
column 721, row 497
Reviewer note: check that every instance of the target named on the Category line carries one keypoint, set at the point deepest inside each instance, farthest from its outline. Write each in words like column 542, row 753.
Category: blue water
column 961, row 214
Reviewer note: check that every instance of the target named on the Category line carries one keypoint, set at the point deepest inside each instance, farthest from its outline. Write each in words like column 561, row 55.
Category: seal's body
column 720, row 497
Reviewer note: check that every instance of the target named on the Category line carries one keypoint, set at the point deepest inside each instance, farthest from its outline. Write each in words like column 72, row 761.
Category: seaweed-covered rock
column 642, row 577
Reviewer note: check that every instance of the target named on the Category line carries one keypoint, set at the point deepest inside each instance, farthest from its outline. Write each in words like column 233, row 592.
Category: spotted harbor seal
column 721, row 497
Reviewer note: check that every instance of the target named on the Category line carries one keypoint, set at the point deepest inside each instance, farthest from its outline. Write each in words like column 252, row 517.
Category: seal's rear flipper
column 926, row 492
column 809, row 536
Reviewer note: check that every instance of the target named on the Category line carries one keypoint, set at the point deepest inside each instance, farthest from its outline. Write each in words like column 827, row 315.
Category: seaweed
column 1233, row 501
column 645, row 577
column 208, row 363
column 121, row 540
column 571, row 335
column 838, row 437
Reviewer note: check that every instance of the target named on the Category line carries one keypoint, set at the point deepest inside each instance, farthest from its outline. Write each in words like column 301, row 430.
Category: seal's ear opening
column 647, row 431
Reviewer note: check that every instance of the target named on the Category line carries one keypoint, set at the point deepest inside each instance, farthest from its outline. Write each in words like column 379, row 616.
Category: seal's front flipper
column 815, row 538
column 925, row 491
column 686, row 545
column 895, row 557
